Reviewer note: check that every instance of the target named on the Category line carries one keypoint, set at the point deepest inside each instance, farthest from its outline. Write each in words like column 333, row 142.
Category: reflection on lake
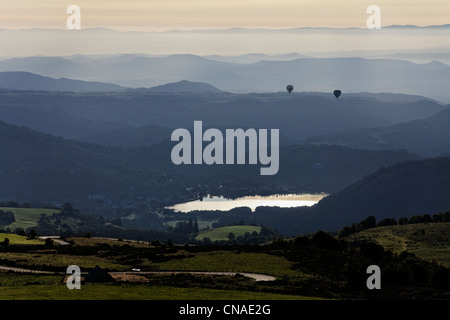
column 223, row 204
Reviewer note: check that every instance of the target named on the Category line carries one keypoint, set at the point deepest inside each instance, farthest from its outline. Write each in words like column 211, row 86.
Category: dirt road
column 254, row 276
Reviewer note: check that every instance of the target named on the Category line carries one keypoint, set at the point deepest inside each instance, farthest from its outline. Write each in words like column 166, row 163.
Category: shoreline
column 212, row 203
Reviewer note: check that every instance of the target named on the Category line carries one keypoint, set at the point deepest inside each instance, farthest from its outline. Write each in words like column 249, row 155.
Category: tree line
column 371, row 222
column 345, row 264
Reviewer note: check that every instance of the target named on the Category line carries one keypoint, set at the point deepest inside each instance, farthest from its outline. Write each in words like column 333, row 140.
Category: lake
column 224, row 204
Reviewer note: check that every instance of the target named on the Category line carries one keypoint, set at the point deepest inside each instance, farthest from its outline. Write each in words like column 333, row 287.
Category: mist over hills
column 52, row 119
column 120, row 109
column 231, row 41
column 29, row 81
column 349, row 74
column 256, row 57
column 402, row 190
column 427, row 137
column 45, row 168
column 185, row 86
column 26, row 81
column 298, row 116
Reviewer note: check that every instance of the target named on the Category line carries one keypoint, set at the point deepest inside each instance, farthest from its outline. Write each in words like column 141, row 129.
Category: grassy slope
column 16, row 239
column 227, row 261
column 222, row 233
column 27, row 218
column 49, row 287
column 60, row 261
column 133, row 292
column 427, row 241
column 230, row 261
column 83, row 241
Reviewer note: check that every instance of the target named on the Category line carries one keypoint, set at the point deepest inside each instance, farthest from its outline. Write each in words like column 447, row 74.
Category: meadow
column 57, row 291
column 27, row 217
column 17, row 239
column 429, row 241
column 233, row 261
column 316, row 266
column 222, row 233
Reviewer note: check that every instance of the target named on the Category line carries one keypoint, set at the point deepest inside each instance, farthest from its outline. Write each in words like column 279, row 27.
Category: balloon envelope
column 337, row 93
column 290, row 88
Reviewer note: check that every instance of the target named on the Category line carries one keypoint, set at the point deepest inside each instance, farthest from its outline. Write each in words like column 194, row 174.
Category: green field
column 41, row 261
column 133, row 292
column 14, row 286
column 429, row 241
column 16, row 239
column 302, row 267
column 229, row 261
column 83, row 241
column 219, row 234
column 26, row 218
column 220, row 261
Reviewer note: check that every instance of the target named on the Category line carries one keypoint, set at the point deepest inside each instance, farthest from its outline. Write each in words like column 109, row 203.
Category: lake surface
column 223, row 204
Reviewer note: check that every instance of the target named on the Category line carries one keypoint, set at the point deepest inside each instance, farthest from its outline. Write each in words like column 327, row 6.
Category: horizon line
column 224, row 29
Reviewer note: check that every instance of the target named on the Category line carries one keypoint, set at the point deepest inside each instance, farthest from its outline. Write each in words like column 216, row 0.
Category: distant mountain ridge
column 297, row 115
column 431, row 80
column 20, row 80
column 185, row 86
column 97, row 29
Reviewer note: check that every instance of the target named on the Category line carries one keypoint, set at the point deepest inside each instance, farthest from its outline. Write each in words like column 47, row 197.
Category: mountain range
column 306, row 74
column 185, row 86
column 96, row 130
column 297, row 116
column 29, row 81
column 304, row 40
column 40, row 167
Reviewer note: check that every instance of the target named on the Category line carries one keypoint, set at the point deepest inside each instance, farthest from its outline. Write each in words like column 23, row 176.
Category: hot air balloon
column 337, row 93
column 290, row 88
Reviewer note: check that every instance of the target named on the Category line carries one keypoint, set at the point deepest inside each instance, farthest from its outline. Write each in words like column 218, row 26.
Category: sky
column 159, row 15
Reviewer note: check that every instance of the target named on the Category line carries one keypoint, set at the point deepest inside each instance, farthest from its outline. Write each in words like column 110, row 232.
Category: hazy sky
column 182, row 14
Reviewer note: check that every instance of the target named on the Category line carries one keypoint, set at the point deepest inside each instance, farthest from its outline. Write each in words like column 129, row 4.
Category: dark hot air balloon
column 337, row 93
column 290, row 88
